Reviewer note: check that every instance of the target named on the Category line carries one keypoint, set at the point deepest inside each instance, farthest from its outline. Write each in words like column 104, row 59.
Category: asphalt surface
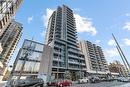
column 103, row 84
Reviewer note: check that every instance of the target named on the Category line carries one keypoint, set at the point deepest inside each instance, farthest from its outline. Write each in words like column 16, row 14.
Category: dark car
column 52, row 83
column 123, row 79
column 94, row 79
column 27, row 82
column 59, row 83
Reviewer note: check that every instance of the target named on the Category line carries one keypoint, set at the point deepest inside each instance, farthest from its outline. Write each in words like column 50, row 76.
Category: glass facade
column 32, row 61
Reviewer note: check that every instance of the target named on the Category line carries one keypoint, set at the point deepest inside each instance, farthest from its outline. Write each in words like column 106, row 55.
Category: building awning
column 97, row 72
column 115, row 73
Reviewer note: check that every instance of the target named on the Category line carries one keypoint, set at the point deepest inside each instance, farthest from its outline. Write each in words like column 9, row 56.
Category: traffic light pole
column 121, row 53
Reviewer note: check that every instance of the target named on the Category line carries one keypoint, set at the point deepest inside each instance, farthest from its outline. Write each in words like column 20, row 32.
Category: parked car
column 123, row 79
column 109, row 79
column 83, row 80
column 94, row 79
column 52, row 83
column 103, row 79
column 60, row 83
column 28, row 82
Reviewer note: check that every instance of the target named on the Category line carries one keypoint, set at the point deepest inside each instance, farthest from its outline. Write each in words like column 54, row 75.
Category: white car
column 83, row 80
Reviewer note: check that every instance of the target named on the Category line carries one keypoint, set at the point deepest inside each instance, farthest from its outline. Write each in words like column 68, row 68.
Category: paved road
column 125, row 85
column 103, row 84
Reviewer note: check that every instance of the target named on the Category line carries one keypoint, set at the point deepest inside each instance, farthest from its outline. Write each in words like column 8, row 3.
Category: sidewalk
column 2, row 83
column 125, row 85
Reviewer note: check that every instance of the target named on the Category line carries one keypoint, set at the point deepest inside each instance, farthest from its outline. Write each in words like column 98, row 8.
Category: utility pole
column 27, row 53
column 121, row 53
column 25, row 59
column 122, row 58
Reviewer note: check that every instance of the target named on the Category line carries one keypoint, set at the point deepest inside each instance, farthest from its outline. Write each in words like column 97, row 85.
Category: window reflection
column 32, row 62
column 31, row 66
column 33, row 46
column 19, row 65
column 32, row 55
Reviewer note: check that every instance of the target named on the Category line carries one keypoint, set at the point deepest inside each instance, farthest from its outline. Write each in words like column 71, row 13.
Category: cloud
column 127, row 41
column 127, row 14
column 43, row 33
column 111, row 42
column 110, row 53
column 127, row 26
column 97, row 41
column 84, row 25
column 46, row 16
column 30, row 19
column 76, row 9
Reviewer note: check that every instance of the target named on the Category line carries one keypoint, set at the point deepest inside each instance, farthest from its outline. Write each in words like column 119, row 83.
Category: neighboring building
column 9, row 41
column 1, row 49
column 27, row 62
column 30, row 62
column 61, row 35
column 6, row 76
column 8, row 9
column 1, row 69
column 94, row 58
column 117, row 67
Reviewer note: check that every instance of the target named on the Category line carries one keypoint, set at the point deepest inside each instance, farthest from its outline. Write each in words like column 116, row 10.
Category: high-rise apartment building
column 61, row 35
column 8, row 9
column 9, row 40
column 117, row 67
column 94, row 57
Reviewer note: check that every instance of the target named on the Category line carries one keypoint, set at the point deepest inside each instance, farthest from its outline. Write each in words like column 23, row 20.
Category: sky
column 96, row 20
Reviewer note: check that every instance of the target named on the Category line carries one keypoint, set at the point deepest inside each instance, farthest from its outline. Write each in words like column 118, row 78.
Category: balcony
column 74, row 68
column 81, row 58
column 82, row 64
column 73, row 56
column 72, row 44
column 73, row 62
column 71, row 36
column 71, row 40
column 59, row 67
column 84, row 69
column 72, row 50
column 58, row 59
